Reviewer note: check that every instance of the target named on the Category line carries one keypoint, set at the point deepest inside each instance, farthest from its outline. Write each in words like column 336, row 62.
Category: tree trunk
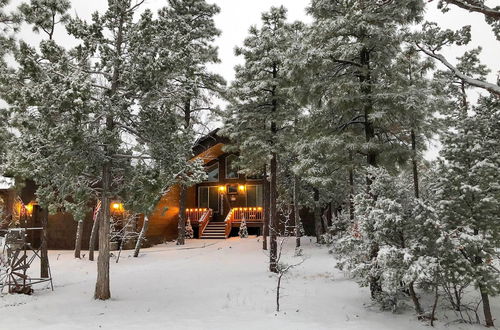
column 273, row 217
column 488, row 318
column 414, row 298
column 296, row 209
column 414, row 164
column 318, row 226
column 144, row 230
column 78, row 240
column 413, row 295
column 44, row 256
column 265, row 229
column 93, row 237
column 434, row 305
column 181, row 224
column 102, row 290
column 371, row 156
column 366, row 90
column 351, row 189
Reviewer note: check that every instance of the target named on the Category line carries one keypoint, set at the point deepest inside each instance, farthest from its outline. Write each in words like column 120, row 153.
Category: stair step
column 214, row 230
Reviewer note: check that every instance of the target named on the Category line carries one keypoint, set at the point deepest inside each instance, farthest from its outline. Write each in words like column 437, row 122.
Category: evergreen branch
column 492, row 88
column 474, row 6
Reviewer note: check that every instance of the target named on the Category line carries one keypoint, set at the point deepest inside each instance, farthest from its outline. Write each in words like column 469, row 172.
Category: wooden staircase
column 214, row 230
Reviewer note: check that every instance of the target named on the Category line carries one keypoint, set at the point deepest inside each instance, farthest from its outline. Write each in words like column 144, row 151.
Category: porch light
column 222, row 189
column 116, row 207
column 259, row 208
column 241, row 188
column 29, row 208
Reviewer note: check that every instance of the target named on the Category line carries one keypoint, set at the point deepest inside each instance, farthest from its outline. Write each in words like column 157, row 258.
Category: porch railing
column 248, row 213
column 203, row 221
column 201, row 217
column 195, row 214
column 228, row 223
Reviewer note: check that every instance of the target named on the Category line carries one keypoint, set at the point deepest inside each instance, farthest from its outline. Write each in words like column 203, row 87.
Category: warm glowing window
column 213, row 173
column 231, row 167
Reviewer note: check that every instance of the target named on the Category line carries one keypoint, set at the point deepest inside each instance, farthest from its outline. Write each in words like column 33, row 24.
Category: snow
column 6, row 183
column 207, row 284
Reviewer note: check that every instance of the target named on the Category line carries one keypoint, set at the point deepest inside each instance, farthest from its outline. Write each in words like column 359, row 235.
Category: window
column 208, row 197
column 213, row 173
column 255, row 196
column 231, row 168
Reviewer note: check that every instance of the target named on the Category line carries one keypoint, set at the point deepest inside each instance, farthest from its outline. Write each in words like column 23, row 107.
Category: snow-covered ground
column 205, row 285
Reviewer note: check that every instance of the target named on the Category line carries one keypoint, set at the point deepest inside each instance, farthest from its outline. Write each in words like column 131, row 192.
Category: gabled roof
column 208, row 141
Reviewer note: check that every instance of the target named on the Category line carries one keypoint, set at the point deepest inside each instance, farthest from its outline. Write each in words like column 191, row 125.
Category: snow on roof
column 6, row 183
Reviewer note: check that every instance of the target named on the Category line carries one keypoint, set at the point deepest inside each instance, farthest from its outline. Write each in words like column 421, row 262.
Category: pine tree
column 243, row 232
column 100, row 119
column 261, row 106
column 468, row 199
column 189, row 31
column 359, row 39
column 398, row 222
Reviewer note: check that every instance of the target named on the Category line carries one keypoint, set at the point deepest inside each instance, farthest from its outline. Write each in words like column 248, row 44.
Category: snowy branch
column 492, row 88
column 476, row 6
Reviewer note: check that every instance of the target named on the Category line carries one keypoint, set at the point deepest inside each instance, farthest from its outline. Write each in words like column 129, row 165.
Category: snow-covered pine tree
column 468, row 199
column 243, row 231
column 360, row 40
column 100, row 119
column 189, row 32
column 40, row 79
column 261, row 106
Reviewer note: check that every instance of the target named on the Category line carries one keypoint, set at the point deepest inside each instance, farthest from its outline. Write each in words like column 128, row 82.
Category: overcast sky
column 237, row 16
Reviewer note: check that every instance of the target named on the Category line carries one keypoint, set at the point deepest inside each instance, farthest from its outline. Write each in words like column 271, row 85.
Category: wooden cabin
column 217, row 206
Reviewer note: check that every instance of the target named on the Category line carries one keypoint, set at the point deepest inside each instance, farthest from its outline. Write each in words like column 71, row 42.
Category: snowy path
column 223, row 285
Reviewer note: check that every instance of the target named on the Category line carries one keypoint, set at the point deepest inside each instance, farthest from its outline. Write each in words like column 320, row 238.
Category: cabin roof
column 208, row 141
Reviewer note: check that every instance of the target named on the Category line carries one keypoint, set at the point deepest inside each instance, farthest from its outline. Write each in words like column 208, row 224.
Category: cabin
column 215, row 208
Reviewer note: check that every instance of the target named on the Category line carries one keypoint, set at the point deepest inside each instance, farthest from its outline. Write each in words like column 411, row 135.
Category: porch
column 201, row 218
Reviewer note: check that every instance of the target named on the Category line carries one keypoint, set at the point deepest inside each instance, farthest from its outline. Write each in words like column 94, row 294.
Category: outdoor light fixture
column 29, row 208
column 117, row 207
column 242, row 188
column 222, row 189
